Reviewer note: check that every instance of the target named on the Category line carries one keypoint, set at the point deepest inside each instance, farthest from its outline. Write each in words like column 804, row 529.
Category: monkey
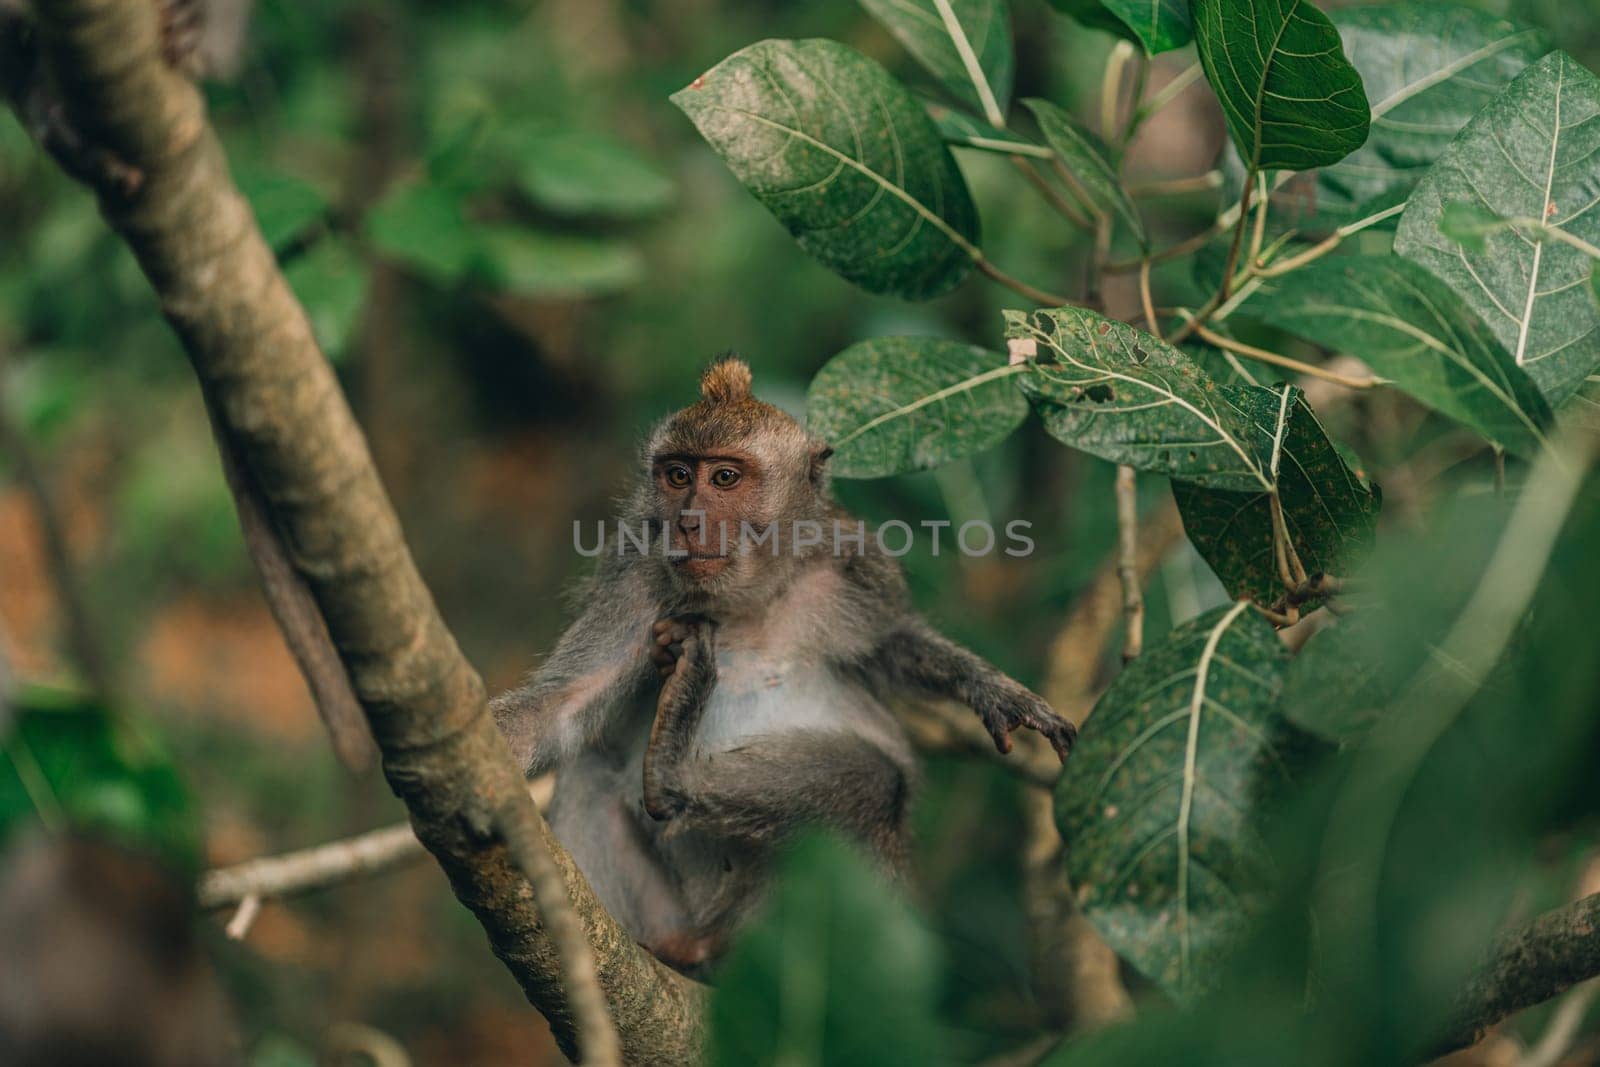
column 715, row 696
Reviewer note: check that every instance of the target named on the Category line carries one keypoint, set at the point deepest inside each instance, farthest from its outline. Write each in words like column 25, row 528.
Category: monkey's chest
column 761, row 695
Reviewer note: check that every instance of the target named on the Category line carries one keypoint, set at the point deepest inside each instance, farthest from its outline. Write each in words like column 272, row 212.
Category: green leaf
column 69, row 759
column 1412, row 329
column 1082, row 153
column 897, row 404
column 1157, row 25
column 1335, row 688
column 582, row 174
column 1121, row 394
column 331, row 283
column 835, row 969
column 1329, row 508
column 1166, row 853
column 1291, row 99
column 546, row 265
column 960, row 130
column 845, row 158
column 1467, row 224
column 284, row 205
column 966, row 44
column 1093, row 14
column 1529, row 154
column 422, row 227
column 1427, row 69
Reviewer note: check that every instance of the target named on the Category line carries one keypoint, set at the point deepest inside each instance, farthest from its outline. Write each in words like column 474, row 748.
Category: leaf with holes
column 1158, row 25
column 1427, row 69
column 896, row 404
column 1329, row 507
column 1291, row 99
column 1531, row 153
column 845, row 158
column 966, row 44
column 1167, row 853
column 1412, row 329
column 1124, row 395
column 1082, row 153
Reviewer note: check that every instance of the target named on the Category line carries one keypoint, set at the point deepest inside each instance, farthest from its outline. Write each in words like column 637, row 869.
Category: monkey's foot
column 671, row 638
column 687, row 953
column 1027, row 709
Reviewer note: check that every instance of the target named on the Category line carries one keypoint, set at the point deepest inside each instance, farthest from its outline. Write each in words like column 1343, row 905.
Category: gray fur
column 775, row 716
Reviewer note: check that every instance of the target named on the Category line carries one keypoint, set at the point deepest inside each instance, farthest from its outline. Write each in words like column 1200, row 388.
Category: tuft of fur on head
column 727, row 381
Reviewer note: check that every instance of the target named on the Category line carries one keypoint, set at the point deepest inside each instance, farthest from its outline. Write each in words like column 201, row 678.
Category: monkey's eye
column 678, row 476
column 725, row 477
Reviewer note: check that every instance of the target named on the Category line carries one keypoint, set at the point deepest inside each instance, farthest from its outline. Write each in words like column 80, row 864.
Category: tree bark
column 1527, row 966
column 276, row 397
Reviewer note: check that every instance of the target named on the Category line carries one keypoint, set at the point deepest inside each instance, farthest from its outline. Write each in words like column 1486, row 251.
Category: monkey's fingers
column 1061, row 734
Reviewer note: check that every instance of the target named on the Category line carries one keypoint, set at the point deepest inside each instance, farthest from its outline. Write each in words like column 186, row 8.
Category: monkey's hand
column 1003, row 711
column 685, row 652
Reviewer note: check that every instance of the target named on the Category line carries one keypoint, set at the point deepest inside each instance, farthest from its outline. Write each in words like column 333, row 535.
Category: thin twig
column 1182, row 248
column 1150, row 321
column 1263, row 206
column 1238, row 237
column 1128, row 562
column 1163, row 96
column 1052, row 196
column 1262, row 355
column 1094, row 286
column 525, row 838
column 1199, row 183
column 244, row 917
column 309, row 868
column 1038, row 296
column 1111, row 87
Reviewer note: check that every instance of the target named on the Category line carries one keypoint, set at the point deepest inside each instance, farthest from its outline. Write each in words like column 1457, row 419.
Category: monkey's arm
column 763, row 790
column 599, row 667
column 912, row 653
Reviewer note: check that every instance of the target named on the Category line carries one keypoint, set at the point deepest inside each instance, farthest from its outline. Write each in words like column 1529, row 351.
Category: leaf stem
column 1052, row 195
column 1128, row 562
column 1016, row 285
column 1262, row 355
column 1326, row 245
column 1238, row 236
column 1111, row 87
column 1198, row 183
column 1182, row 248
column 1263, row 203
column 1164, row 96
column 1144, row 298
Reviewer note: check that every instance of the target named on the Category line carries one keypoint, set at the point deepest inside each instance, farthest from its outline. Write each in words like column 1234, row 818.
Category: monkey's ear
column 819, row 463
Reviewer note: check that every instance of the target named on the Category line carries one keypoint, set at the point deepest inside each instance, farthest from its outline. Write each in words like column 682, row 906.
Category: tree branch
column 1527, row 966
column 277, row 400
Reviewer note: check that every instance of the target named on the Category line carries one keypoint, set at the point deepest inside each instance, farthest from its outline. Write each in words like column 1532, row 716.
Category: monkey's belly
column 662, row 880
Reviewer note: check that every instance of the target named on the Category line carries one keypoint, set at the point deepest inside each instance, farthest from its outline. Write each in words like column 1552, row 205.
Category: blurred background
column 518, row 254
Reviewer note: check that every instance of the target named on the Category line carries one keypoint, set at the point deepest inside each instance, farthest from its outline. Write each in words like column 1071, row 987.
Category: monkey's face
column 703, row 502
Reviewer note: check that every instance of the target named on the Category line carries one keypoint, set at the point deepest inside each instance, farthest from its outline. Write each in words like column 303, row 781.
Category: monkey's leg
column 763, row 791
column 918, row 656
column 685, row 652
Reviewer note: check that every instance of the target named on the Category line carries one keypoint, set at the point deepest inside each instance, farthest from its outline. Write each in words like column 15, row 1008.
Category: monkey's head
column 723, row 473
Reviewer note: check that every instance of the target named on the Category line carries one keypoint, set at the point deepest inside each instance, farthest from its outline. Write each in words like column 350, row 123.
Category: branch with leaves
column 276, row 400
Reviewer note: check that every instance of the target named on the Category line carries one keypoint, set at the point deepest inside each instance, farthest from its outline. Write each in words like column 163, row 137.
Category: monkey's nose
column 688, row 523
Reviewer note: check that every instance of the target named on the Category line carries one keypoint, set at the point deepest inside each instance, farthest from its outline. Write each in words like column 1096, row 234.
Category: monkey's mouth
column 700, row 565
